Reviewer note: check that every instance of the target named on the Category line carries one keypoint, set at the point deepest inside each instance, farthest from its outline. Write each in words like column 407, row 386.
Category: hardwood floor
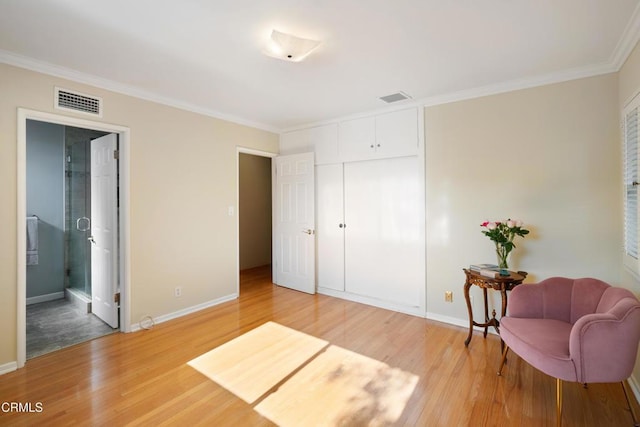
column 143, row 378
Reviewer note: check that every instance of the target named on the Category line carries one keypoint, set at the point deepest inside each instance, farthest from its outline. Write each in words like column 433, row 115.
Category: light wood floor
column 142, row 378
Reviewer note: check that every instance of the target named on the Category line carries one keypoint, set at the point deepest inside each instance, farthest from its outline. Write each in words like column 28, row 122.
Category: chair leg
column 558, row 402
column 504, row 359
column 626, row 396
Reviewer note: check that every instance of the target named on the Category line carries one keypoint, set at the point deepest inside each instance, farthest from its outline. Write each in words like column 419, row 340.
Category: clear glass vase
column 503, row 260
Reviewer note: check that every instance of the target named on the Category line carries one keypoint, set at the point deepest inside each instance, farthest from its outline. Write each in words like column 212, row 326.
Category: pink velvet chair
column 580, row 330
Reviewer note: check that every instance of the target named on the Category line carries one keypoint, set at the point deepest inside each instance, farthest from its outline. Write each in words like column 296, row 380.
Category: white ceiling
column 206, row 55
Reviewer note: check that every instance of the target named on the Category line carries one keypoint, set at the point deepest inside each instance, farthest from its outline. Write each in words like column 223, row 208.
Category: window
column 631, row 142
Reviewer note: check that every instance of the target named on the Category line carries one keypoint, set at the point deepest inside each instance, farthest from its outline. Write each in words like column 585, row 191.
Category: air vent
column 78, row 102
column 395, row 97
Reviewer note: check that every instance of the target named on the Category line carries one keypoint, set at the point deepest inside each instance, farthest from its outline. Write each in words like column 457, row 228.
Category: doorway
column 255, row 223
column 120, row 272
column 62, row 304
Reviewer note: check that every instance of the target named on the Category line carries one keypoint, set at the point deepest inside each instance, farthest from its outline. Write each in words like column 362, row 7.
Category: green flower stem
column 502, row 254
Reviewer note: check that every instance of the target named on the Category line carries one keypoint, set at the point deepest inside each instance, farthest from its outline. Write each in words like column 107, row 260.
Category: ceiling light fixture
column 288, row 47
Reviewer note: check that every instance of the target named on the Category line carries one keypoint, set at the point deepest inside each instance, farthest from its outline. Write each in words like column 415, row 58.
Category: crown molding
column 628, row 40
column 520, row 84
column 401, row 105
column 43, row 67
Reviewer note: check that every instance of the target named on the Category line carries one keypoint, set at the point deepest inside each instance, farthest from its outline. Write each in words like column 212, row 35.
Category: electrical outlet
column 177, row 292
column 448, row 296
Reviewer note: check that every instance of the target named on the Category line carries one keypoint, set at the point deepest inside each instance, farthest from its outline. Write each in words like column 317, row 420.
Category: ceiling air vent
column 395, row 97
column 78, row 102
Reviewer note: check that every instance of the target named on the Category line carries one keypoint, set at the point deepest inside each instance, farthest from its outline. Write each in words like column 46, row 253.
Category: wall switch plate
column 178, row 291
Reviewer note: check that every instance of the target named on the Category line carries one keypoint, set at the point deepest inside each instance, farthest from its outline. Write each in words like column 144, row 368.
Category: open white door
column 295, row 222
column 104, row 226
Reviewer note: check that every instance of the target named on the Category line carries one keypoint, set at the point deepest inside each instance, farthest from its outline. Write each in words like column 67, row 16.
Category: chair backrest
column 569, row 299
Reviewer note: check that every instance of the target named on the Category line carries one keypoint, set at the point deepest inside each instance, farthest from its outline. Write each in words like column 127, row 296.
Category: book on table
column 479, row 267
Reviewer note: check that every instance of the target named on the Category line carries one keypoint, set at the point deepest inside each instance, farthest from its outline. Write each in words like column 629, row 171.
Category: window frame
column 630, row 179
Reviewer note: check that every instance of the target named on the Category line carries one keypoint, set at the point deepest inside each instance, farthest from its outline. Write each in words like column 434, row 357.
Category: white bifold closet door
column 382, row 213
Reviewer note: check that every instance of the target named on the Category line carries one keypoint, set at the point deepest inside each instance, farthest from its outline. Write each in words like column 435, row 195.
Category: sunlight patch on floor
column 295, row 379
column 250, row 365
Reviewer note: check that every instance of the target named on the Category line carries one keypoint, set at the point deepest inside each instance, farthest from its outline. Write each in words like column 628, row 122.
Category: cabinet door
column 382, row 238
column 397, row 134
column 356, row 139
column 329, row 227
column 294, row 142
column 324, row 140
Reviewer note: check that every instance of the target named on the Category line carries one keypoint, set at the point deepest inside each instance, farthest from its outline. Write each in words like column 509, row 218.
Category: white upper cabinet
column 382, row 136
column 356, row 139
column 387, row 135
column 322, row 140
column 397, row 134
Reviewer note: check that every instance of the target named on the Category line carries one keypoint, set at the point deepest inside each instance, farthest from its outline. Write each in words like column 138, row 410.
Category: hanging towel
column 32, row 240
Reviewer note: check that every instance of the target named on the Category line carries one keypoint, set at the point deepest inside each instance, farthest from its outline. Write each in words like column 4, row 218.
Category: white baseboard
column 414, row 311
column 8, row 367
column 176, row 314
column 44, row 298
column 633, row 383
column 463, row 323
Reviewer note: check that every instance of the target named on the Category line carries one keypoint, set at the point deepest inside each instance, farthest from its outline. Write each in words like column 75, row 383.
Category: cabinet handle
column 371, row 145
column 342, row 225
column 378, row 145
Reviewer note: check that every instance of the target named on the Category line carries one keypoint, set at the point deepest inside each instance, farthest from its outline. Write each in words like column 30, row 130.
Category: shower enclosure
column 78, row 210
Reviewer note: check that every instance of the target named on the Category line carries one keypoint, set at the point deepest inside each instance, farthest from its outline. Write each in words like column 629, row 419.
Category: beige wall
column 629, row 78
column 255, row 211
column 549, row 156
column 183, row 179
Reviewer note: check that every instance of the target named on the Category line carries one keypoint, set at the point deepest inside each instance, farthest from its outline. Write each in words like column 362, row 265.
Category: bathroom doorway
column 60, row 300
column 122, row 271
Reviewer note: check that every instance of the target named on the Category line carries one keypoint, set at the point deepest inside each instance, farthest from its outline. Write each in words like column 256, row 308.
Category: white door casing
column 104, row 224
column 295, row 222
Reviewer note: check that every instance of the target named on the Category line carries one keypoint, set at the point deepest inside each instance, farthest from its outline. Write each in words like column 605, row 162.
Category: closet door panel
column 330, row 227
column 397, row 134
column 356, row 139
column 382, row 238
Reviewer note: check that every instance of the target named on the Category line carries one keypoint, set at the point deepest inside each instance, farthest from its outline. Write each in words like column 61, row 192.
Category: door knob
column 309, row 231
column 91, row 239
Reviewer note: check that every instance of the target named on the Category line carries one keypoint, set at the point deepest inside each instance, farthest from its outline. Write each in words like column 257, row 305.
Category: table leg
column 504, row 302
column 486, row 311
column 503, row 293
column 467, row 285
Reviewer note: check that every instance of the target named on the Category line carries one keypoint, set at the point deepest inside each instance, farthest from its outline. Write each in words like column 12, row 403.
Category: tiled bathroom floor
column 57, row 324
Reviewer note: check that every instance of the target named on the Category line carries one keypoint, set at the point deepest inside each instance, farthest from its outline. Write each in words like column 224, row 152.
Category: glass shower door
column 78, row 205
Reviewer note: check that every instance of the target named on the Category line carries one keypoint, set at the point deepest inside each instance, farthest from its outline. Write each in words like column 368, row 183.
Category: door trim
column 268, row 154
column 124, row 215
